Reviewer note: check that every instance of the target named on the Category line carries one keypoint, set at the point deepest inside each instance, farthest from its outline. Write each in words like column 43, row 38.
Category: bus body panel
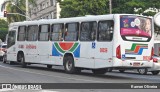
column 86, row 57
column 103, row 54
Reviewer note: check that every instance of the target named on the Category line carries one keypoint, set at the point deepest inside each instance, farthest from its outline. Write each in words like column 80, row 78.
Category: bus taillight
column 118, row 52
column 155, row 60
column 152, row 53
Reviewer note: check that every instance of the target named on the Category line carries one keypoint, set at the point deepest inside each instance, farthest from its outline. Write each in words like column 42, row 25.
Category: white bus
column 89, row 42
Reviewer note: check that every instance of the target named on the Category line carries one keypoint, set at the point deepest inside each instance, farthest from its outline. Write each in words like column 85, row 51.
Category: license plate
column 136, row 64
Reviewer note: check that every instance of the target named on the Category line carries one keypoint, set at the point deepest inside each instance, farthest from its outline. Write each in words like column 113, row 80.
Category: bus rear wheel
column 21, row 59
column 69, row 65
column 99, row 71
column 143, row 71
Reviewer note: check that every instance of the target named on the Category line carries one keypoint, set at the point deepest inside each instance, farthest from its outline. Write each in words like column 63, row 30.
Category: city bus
column 95, row 42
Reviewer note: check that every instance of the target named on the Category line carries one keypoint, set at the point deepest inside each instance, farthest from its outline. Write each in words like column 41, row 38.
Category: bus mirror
column 157, row 18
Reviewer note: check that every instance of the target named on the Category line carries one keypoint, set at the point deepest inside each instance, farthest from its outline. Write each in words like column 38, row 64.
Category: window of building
column 44, row 32
column 43, row 6
column 105, row 30
column 57, row 32
column 47, row 4
column 88, row 31
column 32, row 34
column 21, row 33
column 71, row 31
column 54, row 2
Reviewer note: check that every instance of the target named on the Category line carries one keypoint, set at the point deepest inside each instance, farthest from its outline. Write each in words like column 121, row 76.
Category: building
column 44, row 9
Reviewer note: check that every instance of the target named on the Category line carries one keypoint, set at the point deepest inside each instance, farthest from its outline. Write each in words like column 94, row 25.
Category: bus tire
column 99, row 71
column 155, row 72
column 22, row 60
column 49, row 66
column 143, row 71
column 122, row 71
column 69, row 65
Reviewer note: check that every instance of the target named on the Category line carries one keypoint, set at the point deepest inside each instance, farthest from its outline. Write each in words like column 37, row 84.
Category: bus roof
column 67, row 20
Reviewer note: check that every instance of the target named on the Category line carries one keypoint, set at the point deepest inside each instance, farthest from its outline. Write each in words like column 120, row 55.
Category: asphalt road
column 40, row 74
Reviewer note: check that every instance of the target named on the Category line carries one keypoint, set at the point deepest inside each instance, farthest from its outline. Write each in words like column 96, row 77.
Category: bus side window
column 71, row 31
column 32, row 34
column 44, row 32
column 88, row 31
column 57, row 32
column 21, row 33
column 105, row 30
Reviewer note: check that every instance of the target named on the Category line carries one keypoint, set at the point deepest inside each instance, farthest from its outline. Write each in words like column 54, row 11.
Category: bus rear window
column 134, row 28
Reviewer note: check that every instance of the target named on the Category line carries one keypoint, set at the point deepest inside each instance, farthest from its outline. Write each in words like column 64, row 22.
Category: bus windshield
column 134, row 28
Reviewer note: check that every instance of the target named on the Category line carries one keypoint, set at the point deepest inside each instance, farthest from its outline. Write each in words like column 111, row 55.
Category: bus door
column 11, row 49
column 104, row 44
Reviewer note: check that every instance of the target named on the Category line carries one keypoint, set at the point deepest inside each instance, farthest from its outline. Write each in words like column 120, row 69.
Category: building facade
column 44, row 9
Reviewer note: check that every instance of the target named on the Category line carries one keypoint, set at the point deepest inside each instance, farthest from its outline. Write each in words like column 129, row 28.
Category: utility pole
column 110, row 6
column 27, row 9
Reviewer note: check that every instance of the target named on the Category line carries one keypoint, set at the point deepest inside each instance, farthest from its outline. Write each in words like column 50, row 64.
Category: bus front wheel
column 22, row 60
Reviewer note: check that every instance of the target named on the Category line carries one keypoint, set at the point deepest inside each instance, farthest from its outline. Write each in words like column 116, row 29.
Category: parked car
column 156, row 65
column 155, row 69
column 3, row 48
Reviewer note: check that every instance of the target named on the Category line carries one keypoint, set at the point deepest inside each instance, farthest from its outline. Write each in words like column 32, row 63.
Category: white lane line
column 52, row 75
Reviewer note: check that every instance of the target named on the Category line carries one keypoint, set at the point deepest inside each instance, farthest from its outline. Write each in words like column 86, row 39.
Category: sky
column 1, row 13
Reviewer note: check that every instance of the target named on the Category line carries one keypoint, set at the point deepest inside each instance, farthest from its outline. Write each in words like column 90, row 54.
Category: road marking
column 54, row 75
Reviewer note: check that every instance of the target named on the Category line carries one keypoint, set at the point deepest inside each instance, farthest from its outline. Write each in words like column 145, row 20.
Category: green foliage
column 3, row 35
column 3, row 25
column 3, row 29
column 73, row 8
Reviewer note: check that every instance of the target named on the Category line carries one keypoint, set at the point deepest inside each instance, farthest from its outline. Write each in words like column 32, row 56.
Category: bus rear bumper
column 132, row 63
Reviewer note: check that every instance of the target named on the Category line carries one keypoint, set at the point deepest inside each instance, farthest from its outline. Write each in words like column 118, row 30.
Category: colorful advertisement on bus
column 134, row 26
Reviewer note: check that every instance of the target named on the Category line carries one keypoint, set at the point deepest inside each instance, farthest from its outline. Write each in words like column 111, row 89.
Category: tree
column 73, row 8
column 10, row 8
column 3, row 29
